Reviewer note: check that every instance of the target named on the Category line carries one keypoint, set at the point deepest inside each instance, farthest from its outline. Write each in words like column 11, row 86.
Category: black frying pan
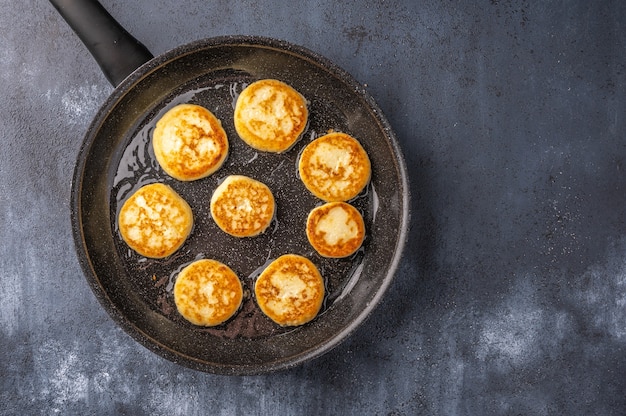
column 116, row 158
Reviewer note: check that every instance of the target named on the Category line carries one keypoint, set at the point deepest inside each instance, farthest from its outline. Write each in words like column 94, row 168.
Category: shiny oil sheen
column 246, row 256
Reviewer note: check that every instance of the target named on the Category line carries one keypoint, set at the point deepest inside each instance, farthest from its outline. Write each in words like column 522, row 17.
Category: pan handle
column 114, row 49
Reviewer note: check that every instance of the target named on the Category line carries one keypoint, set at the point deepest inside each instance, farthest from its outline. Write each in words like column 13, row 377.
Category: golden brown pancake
column 290, row 291
column 207, row 293
column 242, row 206
column 155, row 221
column 270, row 115
column 189, row 142
column 335, row 229
column 334, row 167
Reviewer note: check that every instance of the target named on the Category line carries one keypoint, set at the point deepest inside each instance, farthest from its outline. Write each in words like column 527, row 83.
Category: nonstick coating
column 116, row 158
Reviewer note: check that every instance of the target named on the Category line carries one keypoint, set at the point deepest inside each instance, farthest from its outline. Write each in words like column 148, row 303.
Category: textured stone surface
column 511, row 298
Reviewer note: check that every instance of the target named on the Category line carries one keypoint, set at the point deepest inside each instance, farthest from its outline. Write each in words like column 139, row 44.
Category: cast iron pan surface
column 117, row 158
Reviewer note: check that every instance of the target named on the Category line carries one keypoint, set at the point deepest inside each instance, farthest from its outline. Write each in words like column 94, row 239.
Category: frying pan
column 116, row 158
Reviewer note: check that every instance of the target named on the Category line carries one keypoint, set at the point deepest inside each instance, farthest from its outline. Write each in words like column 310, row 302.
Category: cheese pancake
column 207, row 293
column 335, row 229
column 189, row 142
column 155, row 221
column 334, row 167
column 270, row 115
column 290, row 291
column 242, row 206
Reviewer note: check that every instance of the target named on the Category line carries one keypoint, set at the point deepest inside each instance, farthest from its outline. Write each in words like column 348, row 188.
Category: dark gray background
column 511, row 297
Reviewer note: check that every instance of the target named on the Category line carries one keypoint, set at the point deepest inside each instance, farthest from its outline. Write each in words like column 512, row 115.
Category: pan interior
column 118, row 159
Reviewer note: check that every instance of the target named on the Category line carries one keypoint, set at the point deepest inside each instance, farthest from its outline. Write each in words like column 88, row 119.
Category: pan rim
column 83, row 253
